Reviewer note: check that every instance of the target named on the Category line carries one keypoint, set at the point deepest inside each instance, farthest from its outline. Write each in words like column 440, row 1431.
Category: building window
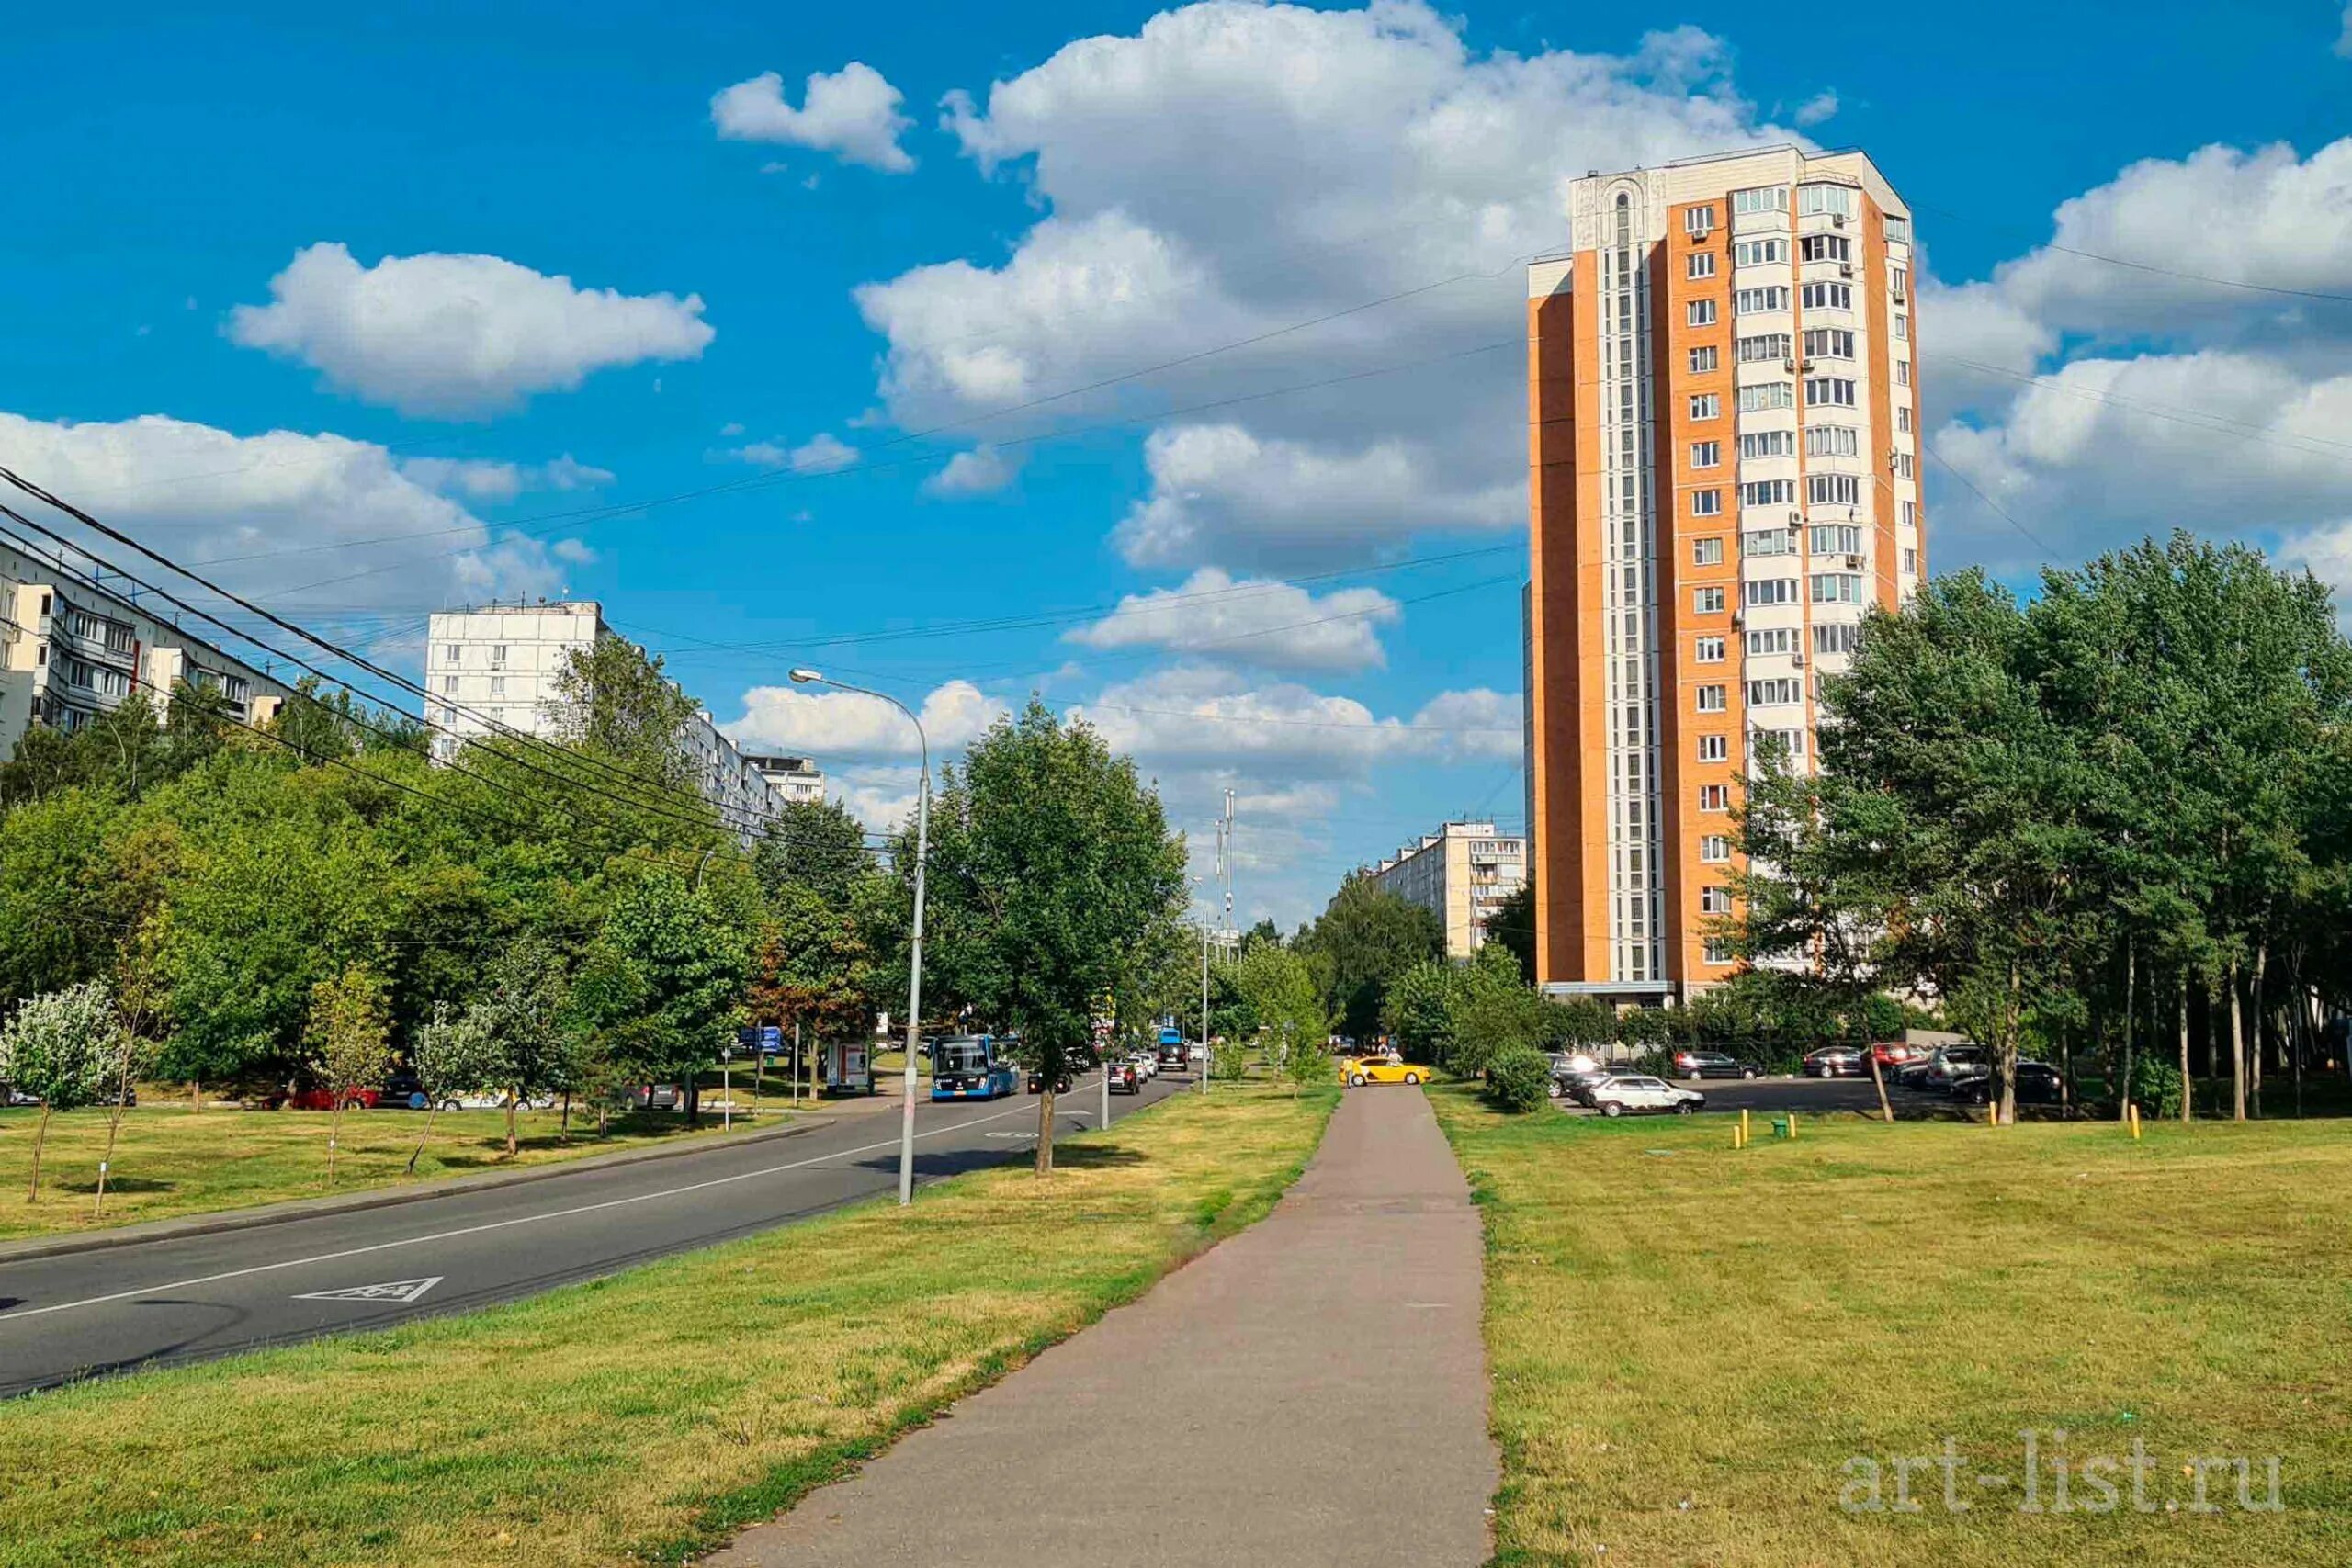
column 1910, row 561
column 1829, row 391
column 1774, row 297
column 1699, row 222
column 1700, row 313
column 1702, row 264
column 1707, row 405
column 1761, row 198
column 1715, row 797
column 1832, row 441
column 1769, row 443
column 1759, row 542
column 1708, row 650
column 1830, row 343
column 1769, row 493
column 1832, row 490
column 1714, row 902
column 1837, row 539
column 1907, row 513
column 1708, row 551
column 1768, row 642
column 1759, row 252
column 1835, row 637
column 1714, row 699
column 1898, row 230
column 1763, row 347
column 1836, row 587
column 1706, row 453
column 1706, row 504
column 1899, row 280
column 498, row 656
column 1786, row 742
column 1706, row 600
column 452, row 654
column 1767, row 395
column 1903, row 466
column 1824, row 248
column 498, row 685
column 448, row 686
column 1827, row 295
column 1714, row 747
column 1902, row 419
column 1767, row 591
column 1838, row 199
column 1779, row 692
column 1902, row 372
column 1902, row 326
column 1703, row 360
column 1716, row 949
column 1716, row 847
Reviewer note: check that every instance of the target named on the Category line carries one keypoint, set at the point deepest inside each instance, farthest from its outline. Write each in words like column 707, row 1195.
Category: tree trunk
column 2005, row 1109
column 2255, row 1012
column 1046, row 1128
column 2131, row 988
column 694, row 1101
column 105, row 1161
column 334, row 1134
column 194, row 1095
column 432, row 1110
column 1878, row 1082
column 2188, row 1084
column 511, row 1097
column 565, row 1125
column 2237, row 1047
column 2298, row 1041
column 40, row 1137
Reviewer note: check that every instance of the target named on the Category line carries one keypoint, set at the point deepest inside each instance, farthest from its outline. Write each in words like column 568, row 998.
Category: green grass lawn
column 648, row 1414
column 173, row 1160
column 1691, row 1345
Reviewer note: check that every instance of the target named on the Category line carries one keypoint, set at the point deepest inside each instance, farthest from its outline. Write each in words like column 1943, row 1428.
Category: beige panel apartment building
column 1462, row 874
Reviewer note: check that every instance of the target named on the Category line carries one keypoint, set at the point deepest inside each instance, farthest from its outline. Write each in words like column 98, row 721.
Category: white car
column 1631, row 1094
column 1145, row 1063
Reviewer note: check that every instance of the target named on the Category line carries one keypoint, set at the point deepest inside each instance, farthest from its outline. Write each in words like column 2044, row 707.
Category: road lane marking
column 400, row 1291
column 500, row 1224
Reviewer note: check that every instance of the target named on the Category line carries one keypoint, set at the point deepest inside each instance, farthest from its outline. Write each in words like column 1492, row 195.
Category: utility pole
column 1204, row 1007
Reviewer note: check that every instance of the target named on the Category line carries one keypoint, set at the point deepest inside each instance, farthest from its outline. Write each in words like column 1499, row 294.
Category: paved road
column 195, row 1297
column 1311, row 1393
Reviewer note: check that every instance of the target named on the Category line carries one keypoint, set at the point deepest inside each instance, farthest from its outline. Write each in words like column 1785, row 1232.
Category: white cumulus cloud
column 479, row 479
column 852, row 113
column 983, row 470
column 1250, row 621
column 280, row 512
column 821, row 454
column 814, row 721
column 1358, row 155
column 458, row 335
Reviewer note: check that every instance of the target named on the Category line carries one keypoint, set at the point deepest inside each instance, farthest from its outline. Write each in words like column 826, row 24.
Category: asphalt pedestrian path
column 1312, row 1391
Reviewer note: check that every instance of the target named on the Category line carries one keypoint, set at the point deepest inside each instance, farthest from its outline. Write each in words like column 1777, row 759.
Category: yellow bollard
column 2135, row 1110
column 1739, row 1138
column 1742, row 1129
column 1792, row 1126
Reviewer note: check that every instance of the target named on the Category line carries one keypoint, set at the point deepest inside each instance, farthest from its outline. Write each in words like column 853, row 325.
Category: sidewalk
column 1312, row 1391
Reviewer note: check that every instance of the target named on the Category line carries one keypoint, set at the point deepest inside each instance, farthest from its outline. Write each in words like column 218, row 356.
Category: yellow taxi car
column 1357, row 1071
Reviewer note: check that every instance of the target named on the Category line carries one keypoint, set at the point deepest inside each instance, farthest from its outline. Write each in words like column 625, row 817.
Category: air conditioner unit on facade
column 1853, row 563
column 1846, row 269
column 1788, row 365
column 1797, row 657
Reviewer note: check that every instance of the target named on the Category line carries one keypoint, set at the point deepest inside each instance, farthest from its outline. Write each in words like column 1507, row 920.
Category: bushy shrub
column 2155, row 1087
column 1518, row 1079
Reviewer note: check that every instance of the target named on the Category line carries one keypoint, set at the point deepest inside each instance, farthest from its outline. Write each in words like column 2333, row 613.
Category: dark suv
column 1712, row 1065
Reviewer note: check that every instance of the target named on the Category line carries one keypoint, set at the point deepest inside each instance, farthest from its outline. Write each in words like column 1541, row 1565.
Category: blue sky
column 764, row 314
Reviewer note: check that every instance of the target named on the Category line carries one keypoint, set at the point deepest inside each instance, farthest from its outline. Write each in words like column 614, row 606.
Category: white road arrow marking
column 401, row 1290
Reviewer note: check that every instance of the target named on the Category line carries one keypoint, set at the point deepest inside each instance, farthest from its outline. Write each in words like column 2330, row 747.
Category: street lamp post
column 914, row 962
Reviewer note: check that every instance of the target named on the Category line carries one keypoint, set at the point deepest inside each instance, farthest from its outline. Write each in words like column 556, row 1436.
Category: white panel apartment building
column 71, row 650
column 495, row 668
column 1461, row 874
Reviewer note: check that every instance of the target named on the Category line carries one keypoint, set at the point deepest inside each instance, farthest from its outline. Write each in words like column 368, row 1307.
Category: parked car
column 1892, row 1054
column 1358, row 1071
column 324, row 1099
column 1837, row 1062
column 1631, row 1094
column 1950, row 1066
column 657, row 1097
column 2039, row 1083
column 1126, row 1078
column 1144, row 1064
column 11, row 1095
column 1580, row 1081
column 1697, row 1065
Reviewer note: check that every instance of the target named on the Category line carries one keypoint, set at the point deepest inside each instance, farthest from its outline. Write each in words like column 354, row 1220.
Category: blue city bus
column 971, row 1067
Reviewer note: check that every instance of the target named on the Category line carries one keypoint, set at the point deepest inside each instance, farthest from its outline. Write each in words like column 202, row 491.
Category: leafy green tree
column 521, row 1015
column 674, row 961
column 614, row 702
column 1361, row 941
column 1518, row 1079
column 451, row 1056
column 1418, row 1012
column 1493, row 1013
column 1052, row 870
column 816, row 845
column 59, row 1048
column 55, row 922
column 1512, row 924
column 350, row 1044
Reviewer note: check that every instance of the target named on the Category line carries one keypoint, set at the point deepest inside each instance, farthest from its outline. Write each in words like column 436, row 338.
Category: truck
column 971, row 1067
column 1171, row 1049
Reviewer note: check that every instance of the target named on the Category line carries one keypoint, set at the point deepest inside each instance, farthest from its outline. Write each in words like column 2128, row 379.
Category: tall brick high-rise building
column 1723, row 414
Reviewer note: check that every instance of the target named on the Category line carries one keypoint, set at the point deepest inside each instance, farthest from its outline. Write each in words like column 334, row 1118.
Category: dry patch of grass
column 173, row 1160
column 646, row 1415
column 1691, row 1345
